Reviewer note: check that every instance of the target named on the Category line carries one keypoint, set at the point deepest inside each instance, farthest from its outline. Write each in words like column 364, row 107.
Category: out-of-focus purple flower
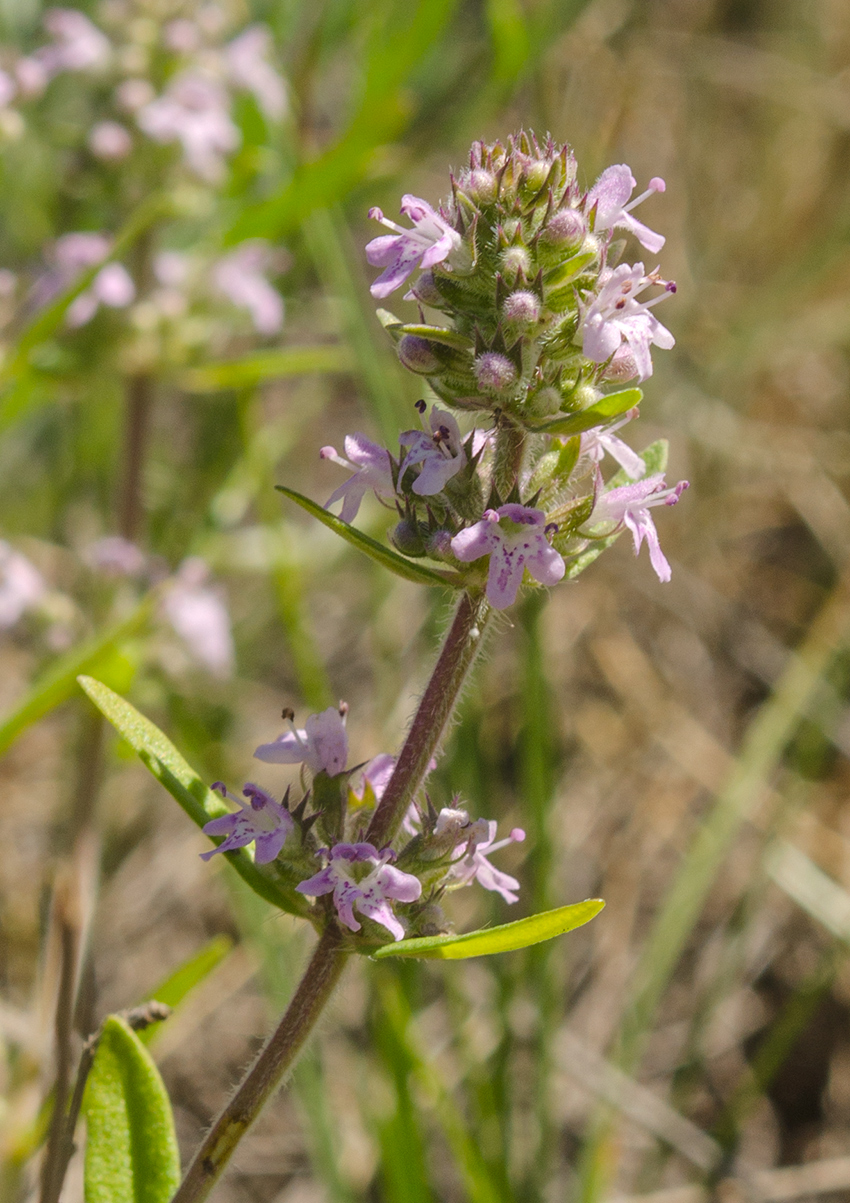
column 109, row 140
column 515, row 538
column 133, row 94
column 31, row 76
column 376, row 775
column 195, row 112
column 611, row 192
column 372, row 470
column 430, row 241
column 262, row 822
column 77, row 44
column 199, row 615
column 358, row 876
column 322, row 744
column 595, row 443
column 21, row 585
column 239, row 277
column 8, row 89
column 182, row 36
column 441, row 453
column 74, row 252
column 247, row 59
column 116, row 556
column 630, row 506
column 617, row 324
column 472, row 863
column 112, row 286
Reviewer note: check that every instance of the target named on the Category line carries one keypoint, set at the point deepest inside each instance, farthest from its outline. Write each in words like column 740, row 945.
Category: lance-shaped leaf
column 159, row 755
column 131, row 1147
column 435, row 334
column 372, row 548
column 603, row 410
column 507, row 938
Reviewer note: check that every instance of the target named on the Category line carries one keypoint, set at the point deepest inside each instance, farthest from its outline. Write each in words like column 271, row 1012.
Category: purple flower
column 471, row 863
column 115, row 556
column 112, row 286
column 610, row 193
column 359, row 876
column 21, row 585
column 372, row 470
column 77, row 44
column 322, row 744
column 514, row 536
column 595, row 443
column 198, row 614
column 615, row 324
column 629, row 505
column 109, row 140
column 440, row 453
column 430, row 241
column 247, row 60
column 376, row 776
column 195, row 112
column 262, row 822
column 239, row 276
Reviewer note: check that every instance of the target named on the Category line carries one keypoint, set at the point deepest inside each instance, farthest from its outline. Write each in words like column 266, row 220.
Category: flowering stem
column 265, row 1075
column 432, row 716
column 510, row 446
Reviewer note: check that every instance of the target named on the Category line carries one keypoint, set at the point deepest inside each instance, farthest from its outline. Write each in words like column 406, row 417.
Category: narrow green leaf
column 174, row 988
column 372, row 548
column 57, row 683
column 603, row 410
column 507, row 938
column 131, row 1146
column 436, row 334
column 269, row 365
column 158, row 754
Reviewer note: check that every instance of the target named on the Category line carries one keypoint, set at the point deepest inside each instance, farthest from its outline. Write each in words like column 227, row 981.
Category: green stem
column 432, row 716
column 510, row 448
column 267, row 1072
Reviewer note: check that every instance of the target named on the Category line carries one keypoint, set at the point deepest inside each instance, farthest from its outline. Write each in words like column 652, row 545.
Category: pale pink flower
column 471, row 861
column 359, row 876
column 441, row 453
column 21, row 585
column 195, row 112
column 515, row 538
column 595, row 443
column 322, row 744
column 110, row 141
column 629, row 506
column 616, row 325
column 239, row 277
column 372, row 470
column 611, row 192
column 113, row 555
column 247, row 59
column 31, row 77
column 77, row 44
column 430, row 241
column 198, row 614
column 263, row 823
column 112, row 286
column 133, row 94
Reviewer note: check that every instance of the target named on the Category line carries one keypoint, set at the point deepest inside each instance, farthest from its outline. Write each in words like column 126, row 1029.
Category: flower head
column 595, row 443
column 359, row 876
column 322, row 744
column 616, row 324
column 198, row 613
column 629, row 505
column 195, row 112
column 372, row 470
column 471, row 861
column 441, row 453
column 261, row 822
column 430, row 241
column 240, row 277
column 609, row 195
column 514, row 536
column 77, row 44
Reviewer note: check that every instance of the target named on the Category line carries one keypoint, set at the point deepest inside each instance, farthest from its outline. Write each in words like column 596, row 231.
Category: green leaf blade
column 507, row 938
column 159, row 755
column 417, row 573
column 610, row 406
column 131, row 1148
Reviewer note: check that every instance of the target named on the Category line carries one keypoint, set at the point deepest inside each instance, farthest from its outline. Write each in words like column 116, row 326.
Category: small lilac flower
column 595, row 443
column 430, row 241
column 616, row 324
column 358, row 875
column 239, row 276
column 322, row 744
column 198, row 614
column 514, row 536
column 133, row 94
column 115, row 556
column 263, row 822
column 629, row 505
column 21, row 585
column 77, row 44
column 441, row 453
column 247, row 59
column 110, row 141
column 471, row 859
column 112, row 286
column 371, row 467
column 610, row 193
column 195, row 112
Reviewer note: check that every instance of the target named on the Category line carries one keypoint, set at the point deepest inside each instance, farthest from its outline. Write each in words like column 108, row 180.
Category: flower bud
column 516, row 259
column 522, row 308
column 565, row 229
column 439, row 545
column 407, row 538
column 426, row 291
column 480, row 186
column 545, row 402
column 417, row 355
column 494, row 372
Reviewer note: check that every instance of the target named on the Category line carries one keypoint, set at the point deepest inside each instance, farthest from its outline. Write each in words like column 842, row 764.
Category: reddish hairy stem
column 432, row 717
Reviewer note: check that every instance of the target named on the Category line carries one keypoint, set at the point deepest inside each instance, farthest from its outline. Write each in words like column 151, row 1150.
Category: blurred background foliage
column 679, row 750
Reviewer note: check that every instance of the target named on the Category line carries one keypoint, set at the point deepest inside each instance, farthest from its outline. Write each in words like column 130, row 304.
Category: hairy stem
column 432, row 716
column 510, row 448
column 265, row 1075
